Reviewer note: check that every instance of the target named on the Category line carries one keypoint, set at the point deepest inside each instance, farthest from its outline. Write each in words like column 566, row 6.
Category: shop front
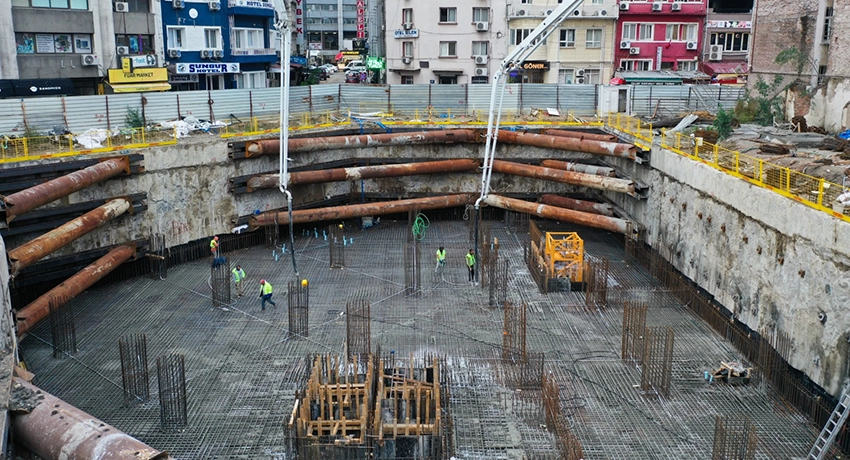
column 138, row 81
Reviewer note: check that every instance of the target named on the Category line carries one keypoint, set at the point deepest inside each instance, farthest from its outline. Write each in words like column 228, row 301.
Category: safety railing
column 63, row 145
column 815, row 192
column 255, row 126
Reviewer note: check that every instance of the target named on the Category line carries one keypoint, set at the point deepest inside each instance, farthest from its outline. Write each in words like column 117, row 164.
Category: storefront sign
column 188, row 78
column 412, row 33
column 535, row 65
column 315, row 46
column 299, row 22
column 361, row 18
column 199, row 67
column 251, row 4
column 131, row 63
column 729, row 24
column 658, row 52
column 138, row 76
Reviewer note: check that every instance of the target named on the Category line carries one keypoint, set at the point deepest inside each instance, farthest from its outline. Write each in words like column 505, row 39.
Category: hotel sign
column 413, row 33
column 299, row 22
column 218, row 67
column 251, row 4
column 361, row 18
column 729, row 24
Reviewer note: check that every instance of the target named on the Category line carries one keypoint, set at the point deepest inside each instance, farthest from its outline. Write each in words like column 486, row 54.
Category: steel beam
column 358, row 210
column 35, row 250
column 363, row 172
column 312, row 144
column 39, row 308
column 33, row 197
column 578, row 205
column 56, row 430
column 579, row 167
column 581, row 135
column 567, row 177
column 569, row 143
column 611, row 224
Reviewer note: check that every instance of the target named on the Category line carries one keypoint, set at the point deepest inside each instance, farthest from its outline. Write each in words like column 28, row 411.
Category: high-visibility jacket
column 213, row 244
column 238, row 275
column 441, row 255
column 470, row 259
column 267, row 288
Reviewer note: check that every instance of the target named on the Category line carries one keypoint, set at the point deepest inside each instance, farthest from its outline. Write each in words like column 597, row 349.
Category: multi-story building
column 580, row 51
column 218, row 44
column 50, row 47
column 660, row 35
column 332, row 26
column 726, row 43
column 443, row 43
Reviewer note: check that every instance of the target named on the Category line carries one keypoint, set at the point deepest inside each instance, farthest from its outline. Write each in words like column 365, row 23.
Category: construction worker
column 441, row 259
column 470, row 264
column 214, row 247
column 266, row 294
column 238, row 278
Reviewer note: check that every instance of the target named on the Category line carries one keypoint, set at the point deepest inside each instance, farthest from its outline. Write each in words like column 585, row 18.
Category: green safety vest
column 470, row 259
column 238, row 275
column 441, row 255
column 267, row 288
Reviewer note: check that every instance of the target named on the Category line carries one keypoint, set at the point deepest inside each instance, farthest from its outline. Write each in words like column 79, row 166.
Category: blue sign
column 300, row 60
column 413, row 33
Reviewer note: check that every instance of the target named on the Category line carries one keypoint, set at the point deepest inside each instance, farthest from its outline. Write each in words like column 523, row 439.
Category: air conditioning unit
column 174, row 53
column 215, row 5
column 676, row 6
column 657, row 6
column 206, row 54
column 122, row 7
column 520, row 13
column 407, row 25
column 122, row 50
column 580, row 80
column 634, row 50
column 178, row 4
column 480, row 60
column 625, row 44
column 603, row 13
column 406, row 60
column 547, row 13
column 482, row 26
column 715, row 53
column 580, row 73
column 481, row 72
column 691, row 45
column 624, row 6
column 577, row 13
column 218, row 53
column 90, row 60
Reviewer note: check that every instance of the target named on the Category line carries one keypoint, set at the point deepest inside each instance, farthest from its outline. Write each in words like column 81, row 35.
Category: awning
column 731, row 67
column 406, row 70
column 140, row 87
column 43, row 87
column 447, row 71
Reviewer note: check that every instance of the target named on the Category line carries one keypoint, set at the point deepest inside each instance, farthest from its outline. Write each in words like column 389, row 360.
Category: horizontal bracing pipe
column 363, row 172
column 311, row 144
column 569, row 143
column 579, row 167
column 26, row 200
column 611, row 224
column 578, row 205
column 35, row 250
column 581, row 135
column 55, row 430
column 39, row 308
column 359, row 210
column 587, row 180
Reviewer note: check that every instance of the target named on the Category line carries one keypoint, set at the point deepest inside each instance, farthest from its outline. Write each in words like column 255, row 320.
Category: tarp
column 140, row 87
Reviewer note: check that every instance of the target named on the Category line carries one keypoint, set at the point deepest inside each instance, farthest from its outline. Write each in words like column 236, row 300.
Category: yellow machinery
column 564, row 254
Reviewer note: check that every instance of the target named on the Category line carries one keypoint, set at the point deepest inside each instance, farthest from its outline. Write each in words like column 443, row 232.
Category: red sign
column 361, row 18
column 299, row 22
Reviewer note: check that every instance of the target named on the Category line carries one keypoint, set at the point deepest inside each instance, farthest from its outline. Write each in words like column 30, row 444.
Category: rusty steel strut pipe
column 611, row 224
column 568, row 177
column 55, row 430
column 39, row 308
column 363, row 172
column 35, row 250
column 578, row 205
column 579, row 167
column 26, row 200
column 580, row 135
column 359, row 210
column 569, row 143
column 311, row 144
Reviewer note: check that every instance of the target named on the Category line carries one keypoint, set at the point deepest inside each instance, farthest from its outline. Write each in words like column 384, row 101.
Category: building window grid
column 687, row 66
column 593, row 38
column 448, row 49
column 211, row 38
column 638, row 32
column 481, row 48
column 731, row 41
column 567, row 38
column 136, row 44
column 481, row 14
column 685, row 32
column 175, row 37
column 248, row 38
column 518, row 35
column 448, row 15
column 636, row 64
column 406, row 15
column 407, row 49
column 53, row 4
column 827, row 24
column 592, row 76
column 407, row 79
column 566, row 76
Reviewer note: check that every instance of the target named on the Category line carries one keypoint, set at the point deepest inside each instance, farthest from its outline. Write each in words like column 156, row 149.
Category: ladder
column 830, row 430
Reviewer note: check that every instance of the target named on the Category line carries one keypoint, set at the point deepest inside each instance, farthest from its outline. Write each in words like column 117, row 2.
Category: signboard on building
column 299, row 22
column 188, row 78
column 729, row 24
column 412, row 33
column 251, row 4
column 138, row 76
column 535, row 65
column 361, row 18
column 658, row 52
column 315, row 46
column 130, row 63
column 213, row 67
column 300, row 60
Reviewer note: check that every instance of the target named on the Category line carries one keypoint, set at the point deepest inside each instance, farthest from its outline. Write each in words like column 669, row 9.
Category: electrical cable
column 420, row 224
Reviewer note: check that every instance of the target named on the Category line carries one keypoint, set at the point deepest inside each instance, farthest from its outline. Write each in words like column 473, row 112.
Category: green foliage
column 723, row 123
column 134, row 118
column 31, row 132
column 794, row 57
column 763, row 106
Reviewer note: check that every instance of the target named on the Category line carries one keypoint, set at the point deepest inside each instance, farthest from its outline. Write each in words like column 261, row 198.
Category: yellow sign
column 125, row 65
column 138, row 76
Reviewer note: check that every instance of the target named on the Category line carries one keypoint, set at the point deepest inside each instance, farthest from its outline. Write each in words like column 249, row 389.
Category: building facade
column 660, row 35
column 727, row 39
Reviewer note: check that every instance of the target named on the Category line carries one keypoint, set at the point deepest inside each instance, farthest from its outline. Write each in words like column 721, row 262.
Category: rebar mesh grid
column 298, row 299
column 158, row 256
column 358, row 332
column 735, row 438
column 568, row 444
column 62, row 329
column 513, row 333
column 220, row 282
column 634, row 332
column 171, row 376
column 336, row 244
column 657, row 365
column 596, row 282
column 133, row 350
column 526, row 374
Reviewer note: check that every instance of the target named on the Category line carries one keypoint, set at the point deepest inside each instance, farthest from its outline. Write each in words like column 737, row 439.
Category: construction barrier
column 63, row 145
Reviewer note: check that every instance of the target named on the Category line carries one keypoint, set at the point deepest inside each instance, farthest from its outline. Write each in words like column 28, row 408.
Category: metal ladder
column 830, row 429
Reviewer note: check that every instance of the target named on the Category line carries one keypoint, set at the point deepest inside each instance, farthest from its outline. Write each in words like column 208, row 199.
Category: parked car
column 356, row 69
column 330, row 68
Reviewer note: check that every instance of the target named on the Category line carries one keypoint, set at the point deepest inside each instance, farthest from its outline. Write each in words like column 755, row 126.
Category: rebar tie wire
column 420, row 224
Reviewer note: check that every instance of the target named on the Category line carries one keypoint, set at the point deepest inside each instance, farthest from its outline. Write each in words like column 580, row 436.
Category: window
column 175, row 37
column 248, row 80
column 247, row 38
column 645, row 32
column 681, row 32
column 597, row 2
column 518, row 35
column 687, row 66
column 527, row 2
column 211, row 38
column 568, row 38
column 406, row 15
column 448, row 79
column 407, row 79
column 58, row 4
column 480, row 48
column 827, row 24
column 138, row 6
column 448, row 49
column 566, row 76
column 448, row 15
column 637, row 32
column 731, row 41
column 592, row 76
column 137, row 44
column 672, row 33
column 630, row 32
column 689, row 31
column 821, row 74
column 407, row 49
column 636, row 64
column 481, row 14
column 594, row 38
column 31, row 43
column 478, row 80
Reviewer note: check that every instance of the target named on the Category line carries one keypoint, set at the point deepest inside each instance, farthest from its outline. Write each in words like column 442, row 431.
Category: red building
column 660, row 35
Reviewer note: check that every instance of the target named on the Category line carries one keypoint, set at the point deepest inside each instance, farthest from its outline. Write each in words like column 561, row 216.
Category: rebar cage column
column 412, row 261
column 657, row 368
column 336, row 244
column 634, row 329
column 134, row 368
column 513, row 333
column 171, row 375
column 62, row 329
column 220, row 283
column 499, row 283
column 358, row 333
column 298, row 297
column 596, row 282
column 158, row 256
column 734, row 438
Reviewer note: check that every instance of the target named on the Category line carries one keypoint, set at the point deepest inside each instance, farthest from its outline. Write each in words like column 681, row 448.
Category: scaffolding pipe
column 312, row 144
column 33, row 197
column 587, row 180
column 611, row 224
column 569, row 143
column 578, row 205
column 581, row 135
column 358, row 210
column 55, row 430
column 265, row 181
column 39, row 308
column 579, row 167
column 32, row 251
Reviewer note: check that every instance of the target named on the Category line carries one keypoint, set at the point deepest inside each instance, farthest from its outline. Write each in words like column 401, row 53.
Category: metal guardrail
column 64, row 145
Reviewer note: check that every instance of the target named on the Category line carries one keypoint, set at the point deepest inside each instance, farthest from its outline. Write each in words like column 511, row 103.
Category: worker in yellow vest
column 214, row 247
column 238, row 278
column 470, row 264
column 266, row 294
column 441, row 259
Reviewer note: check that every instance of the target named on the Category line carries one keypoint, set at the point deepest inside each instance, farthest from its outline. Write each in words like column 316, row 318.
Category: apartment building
column 660, row 35
column 727, row 39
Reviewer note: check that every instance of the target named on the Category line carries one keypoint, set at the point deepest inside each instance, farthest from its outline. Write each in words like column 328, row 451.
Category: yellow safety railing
column 63, row 145
column 271, row 124
column 815, row 192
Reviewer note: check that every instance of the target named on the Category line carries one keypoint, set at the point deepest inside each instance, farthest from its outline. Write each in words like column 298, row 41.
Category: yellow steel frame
column 565, row 255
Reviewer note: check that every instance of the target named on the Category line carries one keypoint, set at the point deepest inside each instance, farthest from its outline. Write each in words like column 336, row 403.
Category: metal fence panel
column 86, row 112
column 235, row 103
column 448, row 99
column 12, row 120
column 45, row 114
column 364, row 99
column 580, row 100
column 410, row 100
column 537, row 96
column 325, row 98
column 478, row 100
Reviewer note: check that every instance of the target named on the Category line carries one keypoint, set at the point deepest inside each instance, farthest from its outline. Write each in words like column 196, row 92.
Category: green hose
column 420, row 224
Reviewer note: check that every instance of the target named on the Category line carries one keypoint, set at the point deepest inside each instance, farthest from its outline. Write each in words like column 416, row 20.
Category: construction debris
column 733, row 373
column 774, row 149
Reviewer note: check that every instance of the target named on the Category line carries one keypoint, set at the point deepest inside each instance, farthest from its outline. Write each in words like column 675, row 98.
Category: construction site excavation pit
column 547, row 380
